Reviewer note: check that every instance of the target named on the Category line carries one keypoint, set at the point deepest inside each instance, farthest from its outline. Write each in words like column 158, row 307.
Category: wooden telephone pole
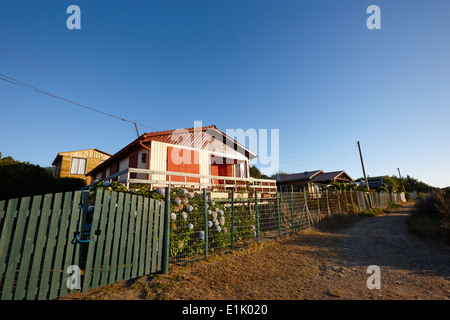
column 362, row 164
column 401, row 179
column 364, row 172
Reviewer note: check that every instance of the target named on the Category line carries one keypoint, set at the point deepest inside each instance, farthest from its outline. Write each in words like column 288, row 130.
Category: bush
column 407, row 196
column 24, row 179
column 372, row 212
column 431, row 216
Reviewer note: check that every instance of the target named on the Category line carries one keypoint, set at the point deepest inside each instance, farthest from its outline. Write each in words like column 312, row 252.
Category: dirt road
column 309, row 265
column 410, row 268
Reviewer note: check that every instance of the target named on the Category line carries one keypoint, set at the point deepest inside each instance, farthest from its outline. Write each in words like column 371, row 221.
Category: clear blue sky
column 311, row 69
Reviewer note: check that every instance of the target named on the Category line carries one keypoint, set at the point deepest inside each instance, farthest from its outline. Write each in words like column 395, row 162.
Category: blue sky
column 311, row 69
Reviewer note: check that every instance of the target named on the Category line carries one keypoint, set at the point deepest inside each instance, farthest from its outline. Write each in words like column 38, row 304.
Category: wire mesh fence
column 202, row 226
column 127, row 235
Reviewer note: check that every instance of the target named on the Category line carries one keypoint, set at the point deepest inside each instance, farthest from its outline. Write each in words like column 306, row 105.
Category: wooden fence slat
column 148, row 254
column 6, row 233
column 131, row 226
column 50, row 246
column 74, row 215
column 108, row 240
column 143, row 240
column 61, row 245
column 116, row 239
column 101, row 240
column 123, row 237
column 28, row 248
column 40, row 244
column 137, row 238
column 79, row 230
column 2, row 209
column 155, row 234
column 92, row 244
column 160, row 235
column 15, row 250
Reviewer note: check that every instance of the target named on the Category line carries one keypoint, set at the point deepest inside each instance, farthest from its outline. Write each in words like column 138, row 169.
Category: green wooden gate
column 46, row 241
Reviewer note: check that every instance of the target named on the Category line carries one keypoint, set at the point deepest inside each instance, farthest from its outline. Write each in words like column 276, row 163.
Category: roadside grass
column 424, row 226
column 431, row 217
column 372, row 212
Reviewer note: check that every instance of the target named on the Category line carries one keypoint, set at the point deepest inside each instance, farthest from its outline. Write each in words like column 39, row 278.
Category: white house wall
column 158, row 159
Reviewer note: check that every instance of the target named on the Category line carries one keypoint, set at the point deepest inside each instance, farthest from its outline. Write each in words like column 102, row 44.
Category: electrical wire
column 160, row 110
column 11, row 80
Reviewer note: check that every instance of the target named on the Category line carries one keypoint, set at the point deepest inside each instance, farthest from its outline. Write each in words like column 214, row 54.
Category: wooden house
column 195, row 157
column 311, row 180
column 75, row 164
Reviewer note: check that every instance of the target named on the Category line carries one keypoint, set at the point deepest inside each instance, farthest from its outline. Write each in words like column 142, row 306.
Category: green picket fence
column 114, row 237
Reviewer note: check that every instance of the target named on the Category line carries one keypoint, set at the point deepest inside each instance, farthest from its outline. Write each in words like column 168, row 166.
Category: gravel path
column 410, row 268
column 312, row 265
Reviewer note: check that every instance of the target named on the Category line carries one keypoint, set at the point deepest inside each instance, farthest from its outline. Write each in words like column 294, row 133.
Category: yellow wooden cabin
column 75, row 164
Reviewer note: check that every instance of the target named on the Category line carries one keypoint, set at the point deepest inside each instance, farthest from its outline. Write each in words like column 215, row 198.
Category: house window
column 78, row 166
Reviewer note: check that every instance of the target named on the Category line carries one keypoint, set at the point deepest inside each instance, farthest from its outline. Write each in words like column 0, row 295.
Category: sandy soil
column 311, row 265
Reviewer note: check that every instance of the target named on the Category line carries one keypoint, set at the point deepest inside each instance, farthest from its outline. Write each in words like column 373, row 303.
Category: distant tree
column 279, row 174
column 412, row 185
column 8, row 160
column 255, row 173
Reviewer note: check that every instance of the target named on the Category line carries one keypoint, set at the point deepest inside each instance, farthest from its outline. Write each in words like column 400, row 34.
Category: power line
column 160, row 110
column 340, row 157
column 11, row 80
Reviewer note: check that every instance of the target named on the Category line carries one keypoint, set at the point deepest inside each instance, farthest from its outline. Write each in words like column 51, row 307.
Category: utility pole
column 401, row 179
column 362, row 164
column 364, row 172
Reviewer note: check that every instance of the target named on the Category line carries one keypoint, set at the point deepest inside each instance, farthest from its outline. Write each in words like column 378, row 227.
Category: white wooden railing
column 157, row 178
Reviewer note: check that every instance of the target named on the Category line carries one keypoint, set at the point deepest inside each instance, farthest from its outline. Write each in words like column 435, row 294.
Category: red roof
column 207, row 138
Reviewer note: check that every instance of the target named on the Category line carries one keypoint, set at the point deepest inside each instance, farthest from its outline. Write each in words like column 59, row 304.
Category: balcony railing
column 157, row 179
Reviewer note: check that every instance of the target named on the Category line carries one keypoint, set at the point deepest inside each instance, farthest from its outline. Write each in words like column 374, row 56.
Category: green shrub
column 431, row 216
column 372, row 212
column 24, row 179
column 407, row 196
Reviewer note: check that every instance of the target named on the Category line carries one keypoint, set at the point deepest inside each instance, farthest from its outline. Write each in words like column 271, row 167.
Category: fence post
column 166, row 238
column 279, row 215
column 339, row 202
column 328, row 204
column 305, row 207
column 292, row 212
column 353, row 205
column 232, row 219
column 357, row 201
column 205, row 212
column 257, row 217
column 318, row 207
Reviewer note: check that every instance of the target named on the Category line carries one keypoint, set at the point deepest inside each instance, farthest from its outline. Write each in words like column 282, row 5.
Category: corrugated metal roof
column 329, row 176
column 205, row 138
column 299, row 176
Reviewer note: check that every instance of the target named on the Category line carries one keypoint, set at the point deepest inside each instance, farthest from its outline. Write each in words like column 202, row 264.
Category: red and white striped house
column 195, row 157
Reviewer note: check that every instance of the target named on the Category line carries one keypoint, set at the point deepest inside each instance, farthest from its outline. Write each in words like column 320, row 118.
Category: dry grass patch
column 273, row 270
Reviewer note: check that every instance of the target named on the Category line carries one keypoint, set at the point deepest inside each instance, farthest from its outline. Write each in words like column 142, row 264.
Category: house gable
column 207, row 142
